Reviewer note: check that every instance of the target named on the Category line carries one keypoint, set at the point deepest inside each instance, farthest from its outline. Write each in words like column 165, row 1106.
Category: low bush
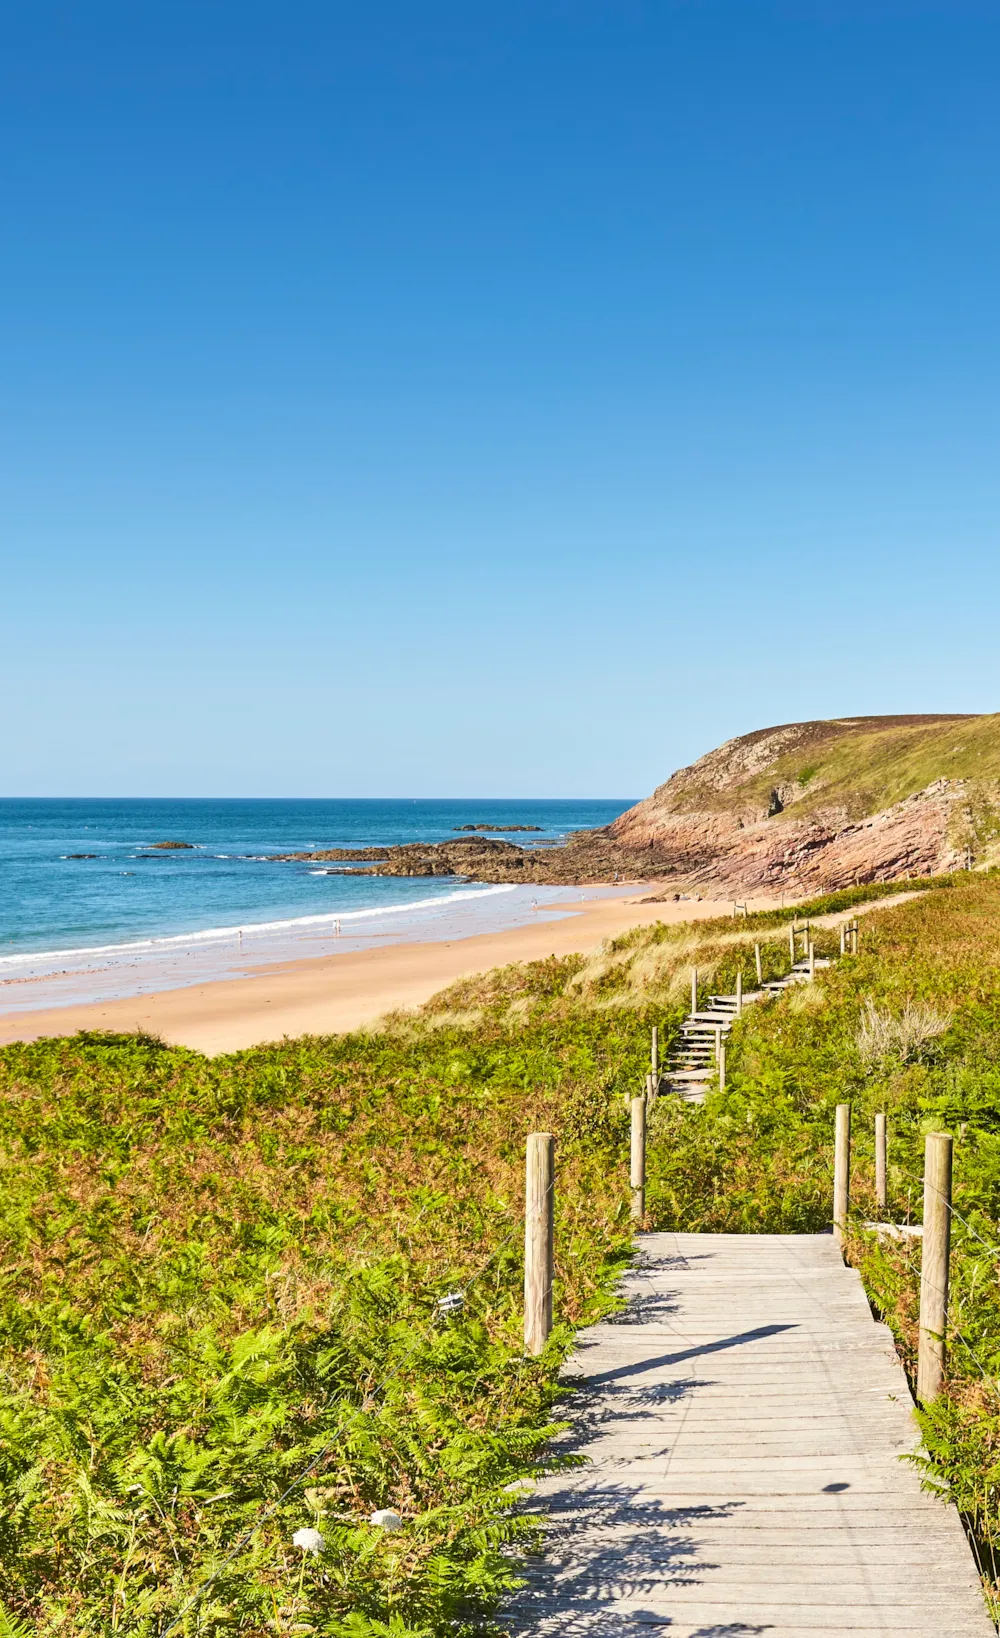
column 220, row 1307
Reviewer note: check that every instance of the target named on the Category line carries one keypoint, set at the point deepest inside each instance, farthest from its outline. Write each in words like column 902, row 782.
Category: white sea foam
column 209, row 935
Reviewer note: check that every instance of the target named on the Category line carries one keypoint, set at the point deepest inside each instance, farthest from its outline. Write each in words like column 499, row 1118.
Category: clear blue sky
column 489, row 398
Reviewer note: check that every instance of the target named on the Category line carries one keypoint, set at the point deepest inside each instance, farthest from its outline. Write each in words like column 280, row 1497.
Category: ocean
column 89, row 912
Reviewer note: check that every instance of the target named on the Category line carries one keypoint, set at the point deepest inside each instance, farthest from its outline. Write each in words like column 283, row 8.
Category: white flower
column 309, row 1540
column 386, row 1519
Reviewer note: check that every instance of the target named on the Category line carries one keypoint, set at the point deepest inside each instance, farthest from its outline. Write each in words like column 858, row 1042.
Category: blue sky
column 492, row 399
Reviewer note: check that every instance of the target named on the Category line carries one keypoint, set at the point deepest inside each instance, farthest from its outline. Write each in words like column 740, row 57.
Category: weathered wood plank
column 744, row 1420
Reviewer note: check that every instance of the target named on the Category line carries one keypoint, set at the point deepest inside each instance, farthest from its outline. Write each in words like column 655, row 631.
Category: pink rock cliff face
column 723, row 823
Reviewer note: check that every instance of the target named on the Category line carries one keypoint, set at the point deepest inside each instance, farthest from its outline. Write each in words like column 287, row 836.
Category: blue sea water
column 125, row 910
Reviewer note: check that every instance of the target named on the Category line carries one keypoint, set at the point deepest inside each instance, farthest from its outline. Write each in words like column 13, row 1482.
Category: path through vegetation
column 743, row 1421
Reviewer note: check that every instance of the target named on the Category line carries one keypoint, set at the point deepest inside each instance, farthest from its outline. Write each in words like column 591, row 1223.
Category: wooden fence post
column 812, row 961
column 739, row 994
column 791, row 942
column 694, row 989
column 760, row 970
column 538, row 1259
column 854, row 939
column 881, row 1192
column 722, row 1066
column 654, row 1054
column 843, row 932
column 934, row 1265
column 841, row 1171
column 637, row 1159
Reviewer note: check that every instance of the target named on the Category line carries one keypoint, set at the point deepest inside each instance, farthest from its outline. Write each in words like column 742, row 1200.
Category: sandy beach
column 328, row 994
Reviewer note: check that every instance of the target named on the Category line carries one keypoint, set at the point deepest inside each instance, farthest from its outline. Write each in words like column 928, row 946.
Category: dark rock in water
column 497, row 829
column 587, row 856
column 325, row 854
column 172, row 845
column 79, row 855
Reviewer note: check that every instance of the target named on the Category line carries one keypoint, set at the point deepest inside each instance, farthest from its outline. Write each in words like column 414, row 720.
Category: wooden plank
column 743, row 1421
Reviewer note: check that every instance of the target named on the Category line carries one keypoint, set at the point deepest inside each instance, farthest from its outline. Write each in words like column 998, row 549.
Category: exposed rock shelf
column 804, row 808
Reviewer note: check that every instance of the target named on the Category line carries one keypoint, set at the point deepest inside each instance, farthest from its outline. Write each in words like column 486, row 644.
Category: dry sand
column 327, row 994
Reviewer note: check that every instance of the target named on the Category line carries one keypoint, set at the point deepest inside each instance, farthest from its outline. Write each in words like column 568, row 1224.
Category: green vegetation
column 222, row 1278
column 864, row 765
column 218, row 1274
column 910, row 1027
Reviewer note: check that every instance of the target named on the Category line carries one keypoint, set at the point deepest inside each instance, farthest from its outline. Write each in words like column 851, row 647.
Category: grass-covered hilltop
column 805, row 808
column 222, row 1285
column 814, row 806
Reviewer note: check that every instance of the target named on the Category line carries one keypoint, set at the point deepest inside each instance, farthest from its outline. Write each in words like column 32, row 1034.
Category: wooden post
column 881, row 1193
column 694, row 989
column 638, row 1159
column 854, row 939
column 538, row 1261
column 722, row 1066
column 843, row 930
column 739, row 994
column 934, row 1265
column 757, row 962
column 718, row 1041
column 812, row 961
column 841, row 1171
column 791, row 942
column 654, row 1054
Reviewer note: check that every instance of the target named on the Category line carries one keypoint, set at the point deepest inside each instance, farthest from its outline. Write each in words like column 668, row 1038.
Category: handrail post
column 841, row 1172
column 722, row 1066
column 637, row 1159
column 881, row 1169
column 538, row 1258
column 791, row 941
column 934, row 1266
column 694, row 990
column 812, row 961
column 739, row 993
column 757, row 961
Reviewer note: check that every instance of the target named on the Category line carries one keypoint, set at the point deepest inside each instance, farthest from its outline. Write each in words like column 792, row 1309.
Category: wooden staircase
column 695, row 1057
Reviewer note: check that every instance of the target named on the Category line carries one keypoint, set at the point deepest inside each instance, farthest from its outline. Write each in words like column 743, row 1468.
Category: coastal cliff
column 802, row 807
column 825, row 804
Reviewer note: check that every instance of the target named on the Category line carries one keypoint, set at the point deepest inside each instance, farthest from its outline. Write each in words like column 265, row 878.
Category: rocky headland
column 809, row 806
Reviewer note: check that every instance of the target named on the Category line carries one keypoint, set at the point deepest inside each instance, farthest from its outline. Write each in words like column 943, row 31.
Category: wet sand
column 328, row 994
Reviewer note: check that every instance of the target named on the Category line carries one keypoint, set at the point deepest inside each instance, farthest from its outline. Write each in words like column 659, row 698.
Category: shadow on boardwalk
column 739, row 1426
column 617, row 1547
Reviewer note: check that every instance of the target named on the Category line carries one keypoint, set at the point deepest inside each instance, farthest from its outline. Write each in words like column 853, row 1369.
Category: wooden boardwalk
column 743, row 1421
